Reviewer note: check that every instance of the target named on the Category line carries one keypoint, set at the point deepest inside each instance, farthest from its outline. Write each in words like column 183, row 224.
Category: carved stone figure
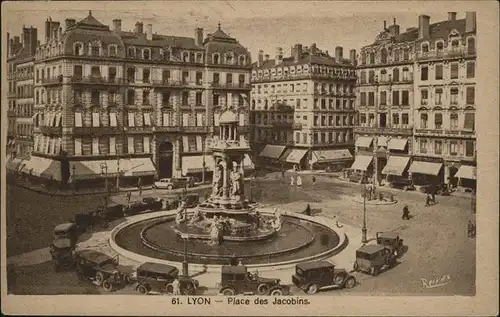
column 236, row 181
column 217, row 184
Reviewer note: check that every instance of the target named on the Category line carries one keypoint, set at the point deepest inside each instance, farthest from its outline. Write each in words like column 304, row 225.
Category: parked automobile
column 152, row 203
column 62, row 252
column 237, row 280
column 112, row 212
column 155, row 277
column 317, row 275
column 173, row 183
column 402, row 183
column 391, row 240
column 139, row 206
column 68, row 231
column 102, row 269
column 101, row 216
column 373, row 258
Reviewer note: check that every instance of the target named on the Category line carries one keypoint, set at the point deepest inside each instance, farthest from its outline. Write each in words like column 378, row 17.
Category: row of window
column 453, row 45
column 368, row 120
column 22, row 91
column 439, row 97
column 23, row 129
column 448, row 147
column 328, row 121
column 265, row 135
column 454, row 72
column 23, row 110
column 397, row 56
column 384, row 77
column 469, row 121
column 396, row 101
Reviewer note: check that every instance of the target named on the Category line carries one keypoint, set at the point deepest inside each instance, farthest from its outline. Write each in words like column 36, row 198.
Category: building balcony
column 268, row 78
column 48, row 130
column 445, row 54
column 446, row 132
column 138, row 130
column 170, row 129
column 98, row 131
column 98, row 80
column 170, row 83
column 52, row 81
column 24, row 77
column 11, row 94
column 384, row 130
column 231, row 86
column 194, row 129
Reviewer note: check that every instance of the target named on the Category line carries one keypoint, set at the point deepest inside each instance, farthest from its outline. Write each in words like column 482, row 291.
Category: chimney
column 54, row 28
column 149, row 32
column 30, row 39
column 352, row 56
column 69, row 23
column 423, row 26
column 260, row 59
column 452, row 16
column 338, row 54
column 470, row 22
column 279, row 56
column 297, row 52
column 117, row 25
column 314, row 49
column 198, row 36
column 48, row 32
column 138, row 28
column 385, row 25
column 266, row 57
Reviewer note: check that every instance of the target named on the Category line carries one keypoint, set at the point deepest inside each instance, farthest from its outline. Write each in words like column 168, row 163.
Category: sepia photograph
column 250, row 157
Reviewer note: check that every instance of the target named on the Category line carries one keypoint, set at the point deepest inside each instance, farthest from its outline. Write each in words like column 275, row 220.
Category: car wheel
column 355, row 267
column 312, row 289
column 188, row 289
column 170, row 187
column 99, row 278
column 262, row 289
column 108, row 287
column 277, row 292
column 126, row 278
column 350, row 282
column 228, row 292
column 169, row 288
column 142, row 289
column 154, row 186
column 375, row 271
column 338, row 279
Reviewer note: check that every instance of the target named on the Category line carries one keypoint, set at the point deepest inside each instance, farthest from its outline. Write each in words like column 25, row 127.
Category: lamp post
column 363, row 230
column 204, row 163
column 104, row 171
column 185, row 264
column 118, row 174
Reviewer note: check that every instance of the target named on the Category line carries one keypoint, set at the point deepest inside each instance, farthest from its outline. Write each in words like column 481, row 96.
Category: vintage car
column 373, row 258
column 317, row 275
column 101, row 269
column 112, row 212
column 391, row 240
column 172, row 183
column 152, row 203
column 237, row 280
column 62, row 252
column 146, row 204
column 67, row 230
column 158, row 278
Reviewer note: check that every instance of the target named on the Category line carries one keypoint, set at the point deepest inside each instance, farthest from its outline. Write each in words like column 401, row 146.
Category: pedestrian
column 433, row 194
column 240, row 263
column 299, row 180
column 427, row 200
column 176, row 287
column 406, row 213
column 129, row 196
column 282, row 173
column 314, row 180
column 308, row 210
column 139, row 185
column 292, row 181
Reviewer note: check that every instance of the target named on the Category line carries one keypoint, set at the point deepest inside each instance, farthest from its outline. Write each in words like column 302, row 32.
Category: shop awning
column 361, row 162
column 42, row 167
column 364, row 141
column 293, row 155
column 381, row 141
column 428, row 168
column 397, row 144
column 138, row 167
column 396, row 165
column 466, row 171
column 248, row 163
column 273, row 151
column 323, row 156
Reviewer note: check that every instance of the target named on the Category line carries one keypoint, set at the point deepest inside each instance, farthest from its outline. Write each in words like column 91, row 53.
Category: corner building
column 416, row 104
column 302, row 109
column 130, row 106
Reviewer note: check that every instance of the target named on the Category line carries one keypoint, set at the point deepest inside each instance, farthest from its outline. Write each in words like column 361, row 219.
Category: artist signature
column 436, row 282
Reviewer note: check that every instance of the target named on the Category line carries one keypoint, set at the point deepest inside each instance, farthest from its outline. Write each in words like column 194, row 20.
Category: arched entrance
column 165, row 159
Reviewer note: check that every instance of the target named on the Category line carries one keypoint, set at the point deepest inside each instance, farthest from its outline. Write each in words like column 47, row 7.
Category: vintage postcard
column 250, row 158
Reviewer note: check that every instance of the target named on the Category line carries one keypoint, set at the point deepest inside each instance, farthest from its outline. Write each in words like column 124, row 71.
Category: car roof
column 389, row 235
column 62, row 243
column 233, row 269
column 371, row 248
column 94, row 256
column 157, row 267
column 305, row 266
column 64, row 226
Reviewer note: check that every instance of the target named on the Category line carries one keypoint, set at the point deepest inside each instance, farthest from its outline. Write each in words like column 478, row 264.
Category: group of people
column 295, row 180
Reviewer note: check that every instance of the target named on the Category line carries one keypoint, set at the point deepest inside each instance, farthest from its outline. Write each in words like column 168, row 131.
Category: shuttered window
column 78, row 146
column 95, row 119
column 147, row 119
column 469, row 121
column 112, row 145
column 95, row 146
column 130, row 145
column 78, row 119
column 146, row 144
column 185, row 119
column 131, row 119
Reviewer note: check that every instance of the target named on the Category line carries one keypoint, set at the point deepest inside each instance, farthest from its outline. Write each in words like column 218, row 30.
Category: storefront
column 294, row 157
column 270, row 155
column 364, row 142
column 333, row 160
column 466, row 177
column 426, row 172
column 362, row 168
column 396, row 169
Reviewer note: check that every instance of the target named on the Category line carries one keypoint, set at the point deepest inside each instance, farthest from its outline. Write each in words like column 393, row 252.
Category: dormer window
column 229, row 58
column 242, row 60
column 454, row 45
column 131, row 52
column 185, row 57
column 372, row 58
column 216, row 58
column 78, row 49
column 166, row 54
column 383, row 56
column 425, row 48
column 199, row 57
column 94, row 50
column 112, row 50
column 439, row 46
column 146, row 53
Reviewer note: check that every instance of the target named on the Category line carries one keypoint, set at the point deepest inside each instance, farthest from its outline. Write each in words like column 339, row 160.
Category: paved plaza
column 436, row 237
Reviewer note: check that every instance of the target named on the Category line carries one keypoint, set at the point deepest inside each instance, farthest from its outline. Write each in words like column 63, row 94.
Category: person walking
column 433, row 194
column 292, row 181
column 282, row 173
column 299, row 181
column 406, row 213
column 308, row 210
column 314, row 180
column 427, row 200
column 139, row 185
column 129, row 196
column 176, row 287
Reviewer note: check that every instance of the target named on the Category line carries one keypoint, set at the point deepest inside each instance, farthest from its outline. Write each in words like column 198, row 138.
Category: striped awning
column 466, row 171
column 194, row 164
column 273, row 151
column 427, row 168
column 111, row 168
column 294, row 155
column 364, row 141
column 397, row 144
column 396, row 165
column 323, row 156
column 42, row 167
column 361, row 162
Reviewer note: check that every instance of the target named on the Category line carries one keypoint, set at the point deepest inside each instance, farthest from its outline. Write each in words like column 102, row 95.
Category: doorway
column 165, row 159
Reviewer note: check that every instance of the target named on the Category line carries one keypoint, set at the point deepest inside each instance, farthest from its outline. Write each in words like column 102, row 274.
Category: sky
column 255, row 24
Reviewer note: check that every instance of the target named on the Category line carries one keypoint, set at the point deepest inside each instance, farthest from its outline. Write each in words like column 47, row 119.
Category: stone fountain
column 227, row 214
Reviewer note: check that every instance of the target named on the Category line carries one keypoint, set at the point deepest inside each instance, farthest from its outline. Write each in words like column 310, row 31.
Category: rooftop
column 157, row 268
column 305, row 266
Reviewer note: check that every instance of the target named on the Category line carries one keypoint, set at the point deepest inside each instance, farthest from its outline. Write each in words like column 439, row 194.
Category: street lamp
column 104, row 171
column 185, row 265
column 204, row 163
column 363, row 230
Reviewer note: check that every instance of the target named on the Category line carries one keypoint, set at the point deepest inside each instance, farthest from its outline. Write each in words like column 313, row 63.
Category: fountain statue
column 181, row 216
column 226, row 214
